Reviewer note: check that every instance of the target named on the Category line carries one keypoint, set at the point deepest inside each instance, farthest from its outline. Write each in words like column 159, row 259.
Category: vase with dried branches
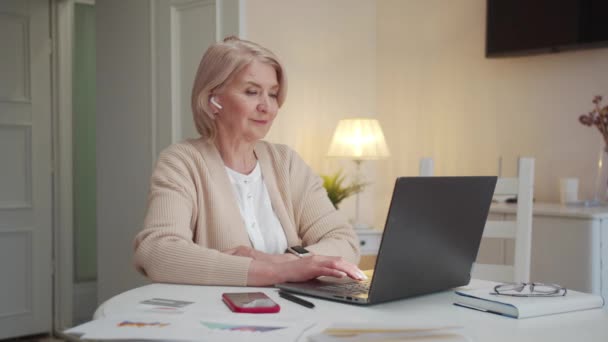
column 598, row 117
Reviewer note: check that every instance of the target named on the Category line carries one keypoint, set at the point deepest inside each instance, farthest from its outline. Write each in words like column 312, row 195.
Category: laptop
column 431, row 238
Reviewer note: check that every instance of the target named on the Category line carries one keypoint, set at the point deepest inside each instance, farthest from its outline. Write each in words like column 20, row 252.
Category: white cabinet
column 568, row 245
column 369, row 241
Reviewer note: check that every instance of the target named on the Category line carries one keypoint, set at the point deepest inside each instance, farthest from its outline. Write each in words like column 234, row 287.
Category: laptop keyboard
column 354, row 288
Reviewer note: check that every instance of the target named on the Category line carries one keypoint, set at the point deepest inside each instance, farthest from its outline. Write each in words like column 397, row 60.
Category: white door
column 25, row 168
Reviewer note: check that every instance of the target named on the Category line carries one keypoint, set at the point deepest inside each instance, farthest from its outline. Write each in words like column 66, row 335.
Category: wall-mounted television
column 523, row 27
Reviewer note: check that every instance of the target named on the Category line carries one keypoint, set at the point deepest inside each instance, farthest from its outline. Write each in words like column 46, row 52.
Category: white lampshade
column 359, row 139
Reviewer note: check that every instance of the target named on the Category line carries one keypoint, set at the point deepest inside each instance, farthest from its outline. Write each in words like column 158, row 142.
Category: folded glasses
column 529, row 290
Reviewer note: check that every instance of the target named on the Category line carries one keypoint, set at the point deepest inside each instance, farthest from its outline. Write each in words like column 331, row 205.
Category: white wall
column 439, row 96
column 124, row 149
column 329, row 50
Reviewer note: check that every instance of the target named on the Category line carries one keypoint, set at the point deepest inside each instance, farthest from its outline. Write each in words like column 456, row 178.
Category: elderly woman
column 225, row 209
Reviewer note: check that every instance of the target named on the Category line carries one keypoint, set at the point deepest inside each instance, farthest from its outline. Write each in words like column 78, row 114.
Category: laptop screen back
column 432, row 235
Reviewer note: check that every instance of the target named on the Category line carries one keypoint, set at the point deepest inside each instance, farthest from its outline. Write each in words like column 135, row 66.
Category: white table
column 435, row 309
column 569, row 245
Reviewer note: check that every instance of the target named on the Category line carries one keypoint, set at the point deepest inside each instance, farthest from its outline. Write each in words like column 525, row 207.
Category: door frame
column 62, row 19
column 62, row 28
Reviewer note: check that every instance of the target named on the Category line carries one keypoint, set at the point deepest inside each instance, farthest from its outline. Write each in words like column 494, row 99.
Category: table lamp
column 358, row 139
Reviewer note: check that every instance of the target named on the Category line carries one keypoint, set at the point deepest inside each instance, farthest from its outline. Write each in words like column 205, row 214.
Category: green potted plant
column 337, row 190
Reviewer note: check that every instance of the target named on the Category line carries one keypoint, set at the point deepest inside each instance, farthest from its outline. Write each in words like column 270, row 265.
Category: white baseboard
column 85, row 301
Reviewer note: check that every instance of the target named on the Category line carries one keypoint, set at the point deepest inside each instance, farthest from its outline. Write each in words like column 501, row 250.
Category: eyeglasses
column 532, row 290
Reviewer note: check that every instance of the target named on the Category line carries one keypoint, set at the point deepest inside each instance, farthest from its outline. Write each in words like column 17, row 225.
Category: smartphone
column 250, row 302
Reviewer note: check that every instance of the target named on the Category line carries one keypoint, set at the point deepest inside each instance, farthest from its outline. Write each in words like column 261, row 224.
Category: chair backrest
column 519, row 229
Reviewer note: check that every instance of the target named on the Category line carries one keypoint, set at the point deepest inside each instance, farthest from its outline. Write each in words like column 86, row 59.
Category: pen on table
column 295, row 299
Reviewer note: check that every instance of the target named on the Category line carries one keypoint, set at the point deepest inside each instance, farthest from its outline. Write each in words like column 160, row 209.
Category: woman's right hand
column 302, row 269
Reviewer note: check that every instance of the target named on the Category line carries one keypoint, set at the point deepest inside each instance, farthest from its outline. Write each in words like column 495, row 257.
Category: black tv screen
column 520, row 27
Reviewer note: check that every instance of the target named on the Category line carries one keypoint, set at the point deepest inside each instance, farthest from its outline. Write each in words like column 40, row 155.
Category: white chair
column 519, row 230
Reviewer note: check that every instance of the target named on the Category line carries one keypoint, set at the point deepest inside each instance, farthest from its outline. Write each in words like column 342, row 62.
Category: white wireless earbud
column 214, row 101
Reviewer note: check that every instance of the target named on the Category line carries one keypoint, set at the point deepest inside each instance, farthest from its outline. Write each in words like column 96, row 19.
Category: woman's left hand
column 302, row 269
column 269, row 269
column 249, row 252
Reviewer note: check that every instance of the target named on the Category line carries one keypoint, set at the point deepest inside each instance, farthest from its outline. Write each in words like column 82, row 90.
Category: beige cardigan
column 192, row 215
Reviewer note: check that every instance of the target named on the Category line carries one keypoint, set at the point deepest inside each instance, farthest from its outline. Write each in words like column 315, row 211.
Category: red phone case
column 250, row 302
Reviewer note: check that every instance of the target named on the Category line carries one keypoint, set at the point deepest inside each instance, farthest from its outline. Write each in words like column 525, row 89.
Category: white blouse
column 265, row 231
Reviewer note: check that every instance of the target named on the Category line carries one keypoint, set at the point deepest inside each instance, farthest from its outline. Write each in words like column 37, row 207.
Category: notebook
column 431, row 238
column 525, row 307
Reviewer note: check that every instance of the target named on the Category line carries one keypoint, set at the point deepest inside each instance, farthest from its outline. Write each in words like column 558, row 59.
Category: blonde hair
column 220, row 63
